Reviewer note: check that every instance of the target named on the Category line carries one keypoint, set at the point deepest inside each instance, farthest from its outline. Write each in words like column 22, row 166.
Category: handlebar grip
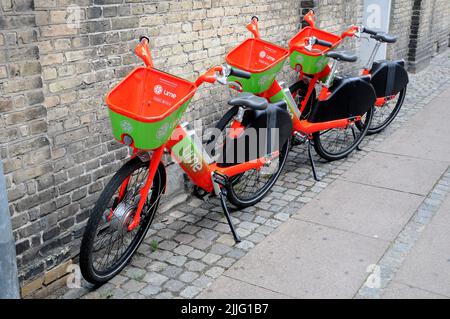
column 324, row 43
column 369, row 31
column 142, row 37
column 240, row 74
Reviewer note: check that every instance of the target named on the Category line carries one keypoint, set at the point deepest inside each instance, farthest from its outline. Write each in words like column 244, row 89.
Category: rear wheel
column 107, row 245
column 337, row 143
column 248, row 188
column 385, row 114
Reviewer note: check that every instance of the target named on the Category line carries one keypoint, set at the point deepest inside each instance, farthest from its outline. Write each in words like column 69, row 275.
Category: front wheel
column 385, row 114
column 337, row 143
column 107, row 245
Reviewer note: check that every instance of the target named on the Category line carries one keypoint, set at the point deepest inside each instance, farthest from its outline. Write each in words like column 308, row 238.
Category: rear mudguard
column 350, row 97
column 388, row 77
column 245, row 148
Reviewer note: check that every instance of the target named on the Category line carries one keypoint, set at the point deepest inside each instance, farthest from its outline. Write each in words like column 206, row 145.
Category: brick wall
column 55, row 139
column 401, row 14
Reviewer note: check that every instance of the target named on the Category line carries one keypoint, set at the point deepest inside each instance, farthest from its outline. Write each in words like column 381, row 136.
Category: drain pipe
column 9, row 285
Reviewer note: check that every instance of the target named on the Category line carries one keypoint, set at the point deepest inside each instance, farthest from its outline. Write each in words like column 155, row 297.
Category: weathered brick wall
column 401, row 14
column 55, row 139
column 430, row 31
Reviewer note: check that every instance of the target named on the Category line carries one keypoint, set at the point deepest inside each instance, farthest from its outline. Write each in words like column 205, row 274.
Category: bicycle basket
column 147, row 105
column 262, row 59
column 311, row 62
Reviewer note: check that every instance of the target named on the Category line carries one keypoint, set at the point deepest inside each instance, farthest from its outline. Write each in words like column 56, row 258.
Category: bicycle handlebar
column 369, row 31
column 142, row 50
column 324, row 43
column 239, row 73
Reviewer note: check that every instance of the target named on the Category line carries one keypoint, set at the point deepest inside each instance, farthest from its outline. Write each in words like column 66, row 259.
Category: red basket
column 147, row 105
column 262, row 59
column 149, row 95
column 256, row 55
column 298, row 42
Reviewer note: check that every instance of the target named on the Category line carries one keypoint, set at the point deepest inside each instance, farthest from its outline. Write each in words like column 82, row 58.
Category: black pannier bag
column 389, row 77
column 350, row 97
column 265, row 132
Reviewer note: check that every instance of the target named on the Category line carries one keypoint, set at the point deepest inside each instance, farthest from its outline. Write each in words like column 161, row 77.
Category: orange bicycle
column 388, row 78
column 145, row 109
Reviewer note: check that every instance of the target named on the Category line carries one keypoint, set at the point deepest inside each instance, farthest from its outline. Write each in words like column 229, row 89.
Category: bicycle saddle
column 342, row 56
column 384, row 37
column 249, row 100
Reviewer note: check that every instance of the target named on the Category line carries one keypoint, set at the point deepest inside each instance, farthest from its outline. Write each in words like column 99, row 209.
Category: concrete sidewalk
column 380, row 230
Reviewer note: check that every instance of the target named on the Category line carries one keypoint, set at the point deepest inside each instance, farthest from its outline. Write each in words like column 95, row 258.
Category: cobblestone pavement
column 194, row 244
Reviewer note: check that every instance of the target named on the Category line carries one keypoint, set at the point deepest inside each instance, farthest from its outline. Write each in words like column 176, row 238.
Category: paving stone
column 226, row 262
column 188, row 276
column 196, row 254
column 118, row 280
column 156, row 266
column 200, row 244
column 183, row 250
column 220, row 249
column 164, row 295
column 184, row 238
column 194, row 265
column 150, row 290
column 167, row 245
column 161, row 255
column 191, row 229
column 202, row 282
column 177, row 260
column 172, row 271
column 207, row 234
column 226, row 239
column 154, row 278
column 256, row 238
column 214, row 272
column 210, row 258
column 173, row 285
column 236, row 253
column 245, row 245
column 166, row 233
column 133, row 285
column 134, row 273
column 190, row 292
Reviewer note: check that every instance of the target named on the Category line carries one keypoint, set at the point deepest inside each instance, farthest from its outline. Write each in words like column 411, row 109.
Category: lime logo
column 262, row 54
column 126, row 126
column 162, row 132
column 158, row 89
column 264, row 79
column 321, row 63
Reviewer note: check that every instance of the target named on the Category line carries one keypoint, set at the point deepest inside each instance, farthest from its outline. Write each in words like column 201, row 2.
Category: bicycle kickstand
column 354, row 137
column 221, row 191
column 311, row 160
